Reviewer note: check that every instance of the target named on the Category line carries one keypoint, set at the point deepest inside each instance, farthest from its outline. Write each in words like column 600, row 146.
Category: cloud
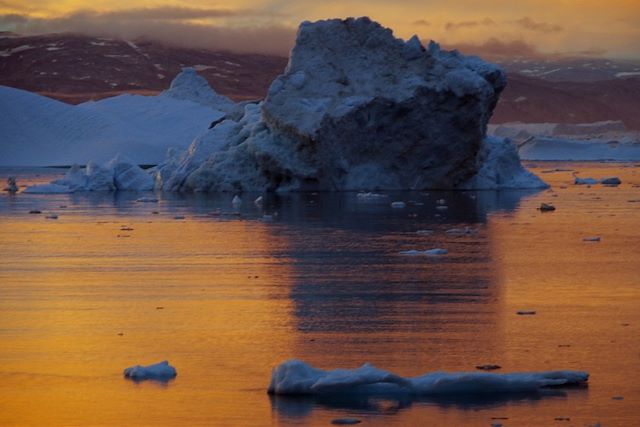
column 421, row 23
column 169, row 13
column 452, row 26
column 542, row 27
column 269, row 39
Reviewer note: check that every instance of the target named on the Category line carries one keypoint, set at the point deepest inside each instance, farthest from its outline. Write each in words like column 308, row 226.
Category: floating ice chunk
column 546, row 207
column 147, row 200
column 428, row 252
column 613, row 180
column 525, row 312
column 591, row 239
column 345, row 421
column 425, row 232
column 295, row 377
column 488, row 367
column 585, row 181
column 51, row 216
column 236, row 201
column 47, row 189
column 12, row 187
column 368, row 196
column 160, row 371
column 258, row 201
column 398, row 205
column 460, row 231
column 441, row 202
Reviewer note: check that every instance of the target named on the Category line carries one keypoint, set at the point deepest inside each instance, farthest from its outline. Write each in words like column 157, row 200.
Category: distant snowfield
column 39, row 131
column 599, row 141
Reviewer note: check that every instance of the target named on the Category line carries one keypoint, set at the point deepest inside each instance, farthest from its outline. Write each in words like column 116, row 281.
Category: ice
column 398, row 205
column 189, row 86
column 47, row 189
column 370, row 196
column 161, row 371
column 614, row 180
column 295, row 377
column 585, row 181
column 349, row 89
column 12, row 186
column 591, row 239
column 39, row 131
column 428, row 252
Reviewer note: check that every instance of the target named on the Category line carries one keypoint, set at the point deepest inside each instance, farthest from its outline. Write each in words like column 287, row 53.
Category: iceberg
column 161, row 371
column 358, row 109
column 295, row 377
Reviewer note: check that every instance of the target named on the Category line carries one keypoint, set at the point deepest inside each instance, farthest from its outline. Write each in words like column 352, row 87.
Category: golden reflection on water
column 225, row 300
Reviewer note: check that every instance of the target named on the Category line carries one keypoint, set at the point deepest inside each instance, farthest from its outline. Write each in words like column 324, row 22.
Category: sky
column 517, row 27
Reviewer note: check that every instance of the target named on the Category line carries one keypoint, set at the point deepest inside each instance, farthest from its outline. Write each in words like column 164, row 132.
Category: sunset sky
column 582, row 27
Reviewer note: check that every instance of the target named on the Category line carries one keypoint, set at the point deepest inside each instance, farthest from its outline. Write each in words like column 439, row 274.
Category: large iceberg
column 358, row 109
column 295, row 377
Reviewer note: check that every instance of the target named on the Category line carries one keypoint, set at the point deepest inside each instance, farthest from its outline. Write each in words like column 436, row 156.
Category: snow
column 295, row 377
column 39, row 131
column 161, row 371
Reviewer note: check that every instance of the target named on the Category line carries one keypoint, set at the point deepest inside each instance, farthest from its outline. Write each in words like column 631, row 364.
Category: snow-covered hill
column 39, row 131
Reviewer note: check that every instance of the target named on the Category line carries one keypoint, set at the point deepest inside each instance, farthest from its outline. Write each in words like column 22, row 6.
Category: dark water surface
column 225, row 295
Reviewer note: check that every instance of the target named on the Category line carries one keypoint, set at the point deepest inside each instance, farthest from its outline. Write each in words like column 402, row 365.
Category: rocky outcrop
column 356, row 108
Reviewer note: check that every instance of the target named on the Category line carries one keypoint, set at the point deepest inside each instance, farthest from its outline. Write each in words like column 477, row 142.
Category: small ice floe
column 35, row 211
column 398, row 205
column 425, row 232
column 585, row 181
column 178, row 217
column 147, row 200
column 488, row 367
column 442, row 208
column 258, row 201
column 613, row 180
column 591, row 239
column 461, row 231
column 441, row 201
column 525, row 312
column 546, row 207
column 47, row 189
column 160, row 371
column 618, row 397
column 345, row 421
column 51, row 216
column 125, row 228
column 370, row 196
column 236, row 202
column 12, row 186
column 428, row 252
column 295, row 377
column 267, row 218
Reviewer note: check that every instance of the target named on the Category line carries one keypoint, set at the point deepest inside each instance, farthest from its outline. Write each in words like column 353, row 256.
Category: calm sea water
column 226, row 295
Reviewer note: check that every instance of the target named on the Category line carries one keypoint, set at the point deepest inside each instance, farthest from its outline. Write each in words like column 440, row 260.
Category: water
column 225, row 296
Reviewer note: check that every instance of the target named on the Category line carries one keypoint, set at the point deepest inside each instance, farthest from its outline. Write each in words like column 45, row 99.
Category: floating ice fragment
column 442, row 208
column 35, row 211
column 428, row 252
column 147, row 200
column 370, row 196
column 178, row 217
column 488, row 367
column 546, row 207
column 51, row 216
column 398, row 205
column 525, row 312
column 591, row 239
column 237, row 201
column 425, row 232
column 295, row 377
column 160, row 371
column 441, row 202
column 614, row 180
column 459, row 231
column 12, row 186
column 258, row 201
column 585, row 181
column 346, row 421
